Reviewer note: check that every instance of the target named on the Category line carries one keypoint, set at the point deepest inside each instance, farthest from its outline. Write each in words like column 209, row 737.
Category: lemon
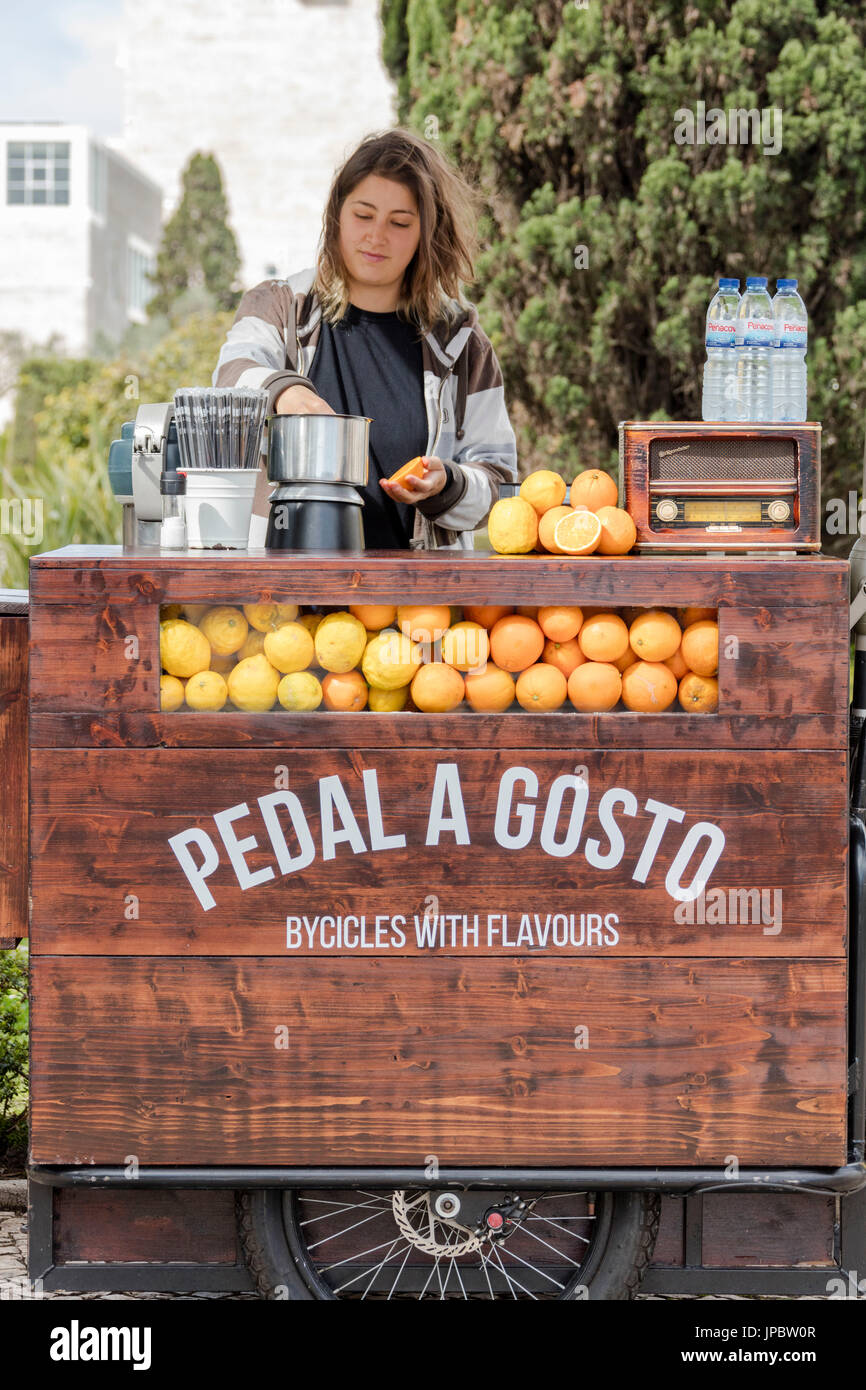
column 289, row 647
column 170, row 610
column 183, row 648
column 340, row 641
column 391, row 660
column 512, row 526
column 299, row 690
column 543, row 489
column 225, row 628
column 194, row 612
column 254, row 644
column 206, row 690
column 311, row 621
column 264, row 617
column 381, row 701
column 170, row 693
column 252, row 685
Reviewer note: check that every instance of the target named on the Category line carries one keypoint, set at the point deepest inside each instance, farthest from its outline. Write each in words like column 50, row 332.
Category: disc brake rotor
column 425, row 1230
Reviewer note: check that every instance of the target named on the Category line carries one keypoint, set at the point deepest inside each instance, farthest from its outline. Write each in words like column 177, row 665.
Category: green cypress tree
column 198, row 246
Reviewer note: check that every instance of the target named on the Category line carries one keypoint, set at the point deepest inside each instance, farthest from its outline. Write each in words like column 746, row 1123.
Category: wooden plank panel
column 619, row 729
column 273, row 1062
column 94, row 657
column 107, row 880
column 760, row 1229
column 143, row 575
column 14, row 887
column 132, row 1224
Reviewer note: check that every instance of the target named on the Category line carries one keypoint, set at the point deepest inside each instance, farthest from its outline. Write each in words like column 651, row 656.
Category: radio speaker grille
column 723, row 459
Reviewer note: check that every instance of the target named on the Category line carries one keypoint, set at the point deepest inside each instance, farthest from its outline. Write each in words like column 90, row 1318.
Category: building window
column 139, row 290
column 37, row 172
column 98, row 180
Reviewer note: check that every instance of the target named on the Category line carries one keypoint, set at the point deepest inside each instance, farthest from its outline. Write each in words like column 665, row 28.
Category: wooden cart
column 435, row 975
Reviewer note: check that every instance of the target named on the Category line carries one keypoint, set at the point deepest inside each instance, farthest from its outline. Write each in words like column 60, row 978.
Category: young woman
column 379, row 327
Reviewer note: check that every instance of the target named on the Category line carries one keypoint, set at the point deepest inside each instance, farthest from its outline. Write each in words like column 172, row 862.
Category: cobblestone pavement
column 13, row 1275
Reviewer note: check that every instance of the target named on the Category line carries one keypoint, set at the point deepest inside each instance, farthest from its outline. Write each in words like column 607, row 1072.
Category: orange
column 374, row 616
column 516, row 642
column 486, row 615
column 466, row 646
column 594, row 687
column 490, row 690
column 649, row 687
column 415, row 468
column 437, row 688
column 563, row 655
column 699, row 694
column 560, row 623
column 541, row 687
column 529, row 611
column 424, row 622
column 687, row 616
column 578, row 533
column 618, row 531
column 700, row 647
column 654, row 635
column 627, row 659
column 344, row 690
column 543, row 489
column 547, row 526
column 676, row 663
column 603, row 637
column 594, row 488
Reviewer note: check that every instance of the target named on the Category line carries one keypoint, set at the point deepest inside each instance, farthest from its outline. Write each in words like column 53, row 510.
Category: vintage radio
column 721, row 486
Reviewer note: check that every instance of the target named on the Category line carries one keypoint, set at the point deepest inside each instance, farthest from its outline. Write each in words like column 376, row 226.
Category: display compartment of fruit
column 433, row 658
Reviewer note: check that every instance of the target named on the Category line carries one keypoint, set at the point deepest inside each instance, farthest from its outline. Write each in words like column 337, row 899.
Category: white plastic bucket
column 218, row 507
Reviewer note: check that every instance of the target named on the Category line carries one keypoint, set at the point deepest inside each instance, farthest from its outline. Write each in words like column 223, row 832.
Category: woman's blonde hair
column 447, row 208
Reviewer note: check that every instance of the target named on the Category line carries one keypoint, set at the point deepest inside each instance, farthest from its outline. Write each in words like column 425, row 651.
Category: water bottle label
column 758, row 332
column 792, row 335
column 720, row 334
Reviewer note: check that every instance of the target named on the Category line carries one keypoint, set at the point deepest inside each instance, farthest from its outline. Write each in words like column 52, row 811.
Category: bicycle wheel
column 421, row 1243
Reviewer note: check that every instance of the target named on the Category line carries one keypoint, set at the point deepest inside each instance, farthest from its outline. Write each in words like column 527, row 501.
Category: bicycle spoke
column 533, row 1267
column 345, row 1231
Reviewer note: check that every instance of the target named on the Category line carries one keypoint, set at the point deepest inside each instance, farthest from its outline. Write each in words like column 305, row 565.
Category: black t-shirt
column 370, row 364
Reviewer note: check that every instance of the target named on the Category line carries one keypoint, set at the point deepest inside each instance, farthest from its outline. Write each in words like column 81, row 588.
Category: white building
column 79, row 227
column 279, row 91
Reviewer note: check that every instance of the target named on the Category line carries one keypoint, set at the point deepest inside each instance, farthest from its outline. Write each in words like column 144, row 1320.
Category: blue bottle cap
column 786, row 284
column 756, row 282
column 728, row 284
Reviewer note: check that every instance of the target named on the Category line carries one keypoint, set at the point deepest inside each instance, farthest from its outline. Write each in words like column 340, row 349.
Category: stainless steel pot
column 319, row 449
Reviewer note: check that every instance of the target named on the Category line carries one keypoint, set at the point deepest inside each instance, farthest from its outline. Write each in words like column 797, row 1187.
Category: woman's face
column 379, row 232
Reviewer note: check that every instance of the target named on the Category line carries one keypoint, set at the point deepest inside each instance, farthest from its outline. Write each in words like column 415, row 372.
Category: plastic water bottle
column 789, row 354
column 756, row 340
column 719, row 400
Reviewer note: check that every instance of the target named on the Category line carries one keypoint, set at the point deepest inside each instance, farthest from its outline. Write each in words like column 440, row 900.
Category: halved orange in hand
column 578, row 533
column 413, row 469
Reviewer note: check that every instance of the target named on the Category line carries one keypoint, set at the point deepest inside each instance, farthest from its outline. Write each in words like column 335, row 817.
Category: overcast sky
column 58, row 62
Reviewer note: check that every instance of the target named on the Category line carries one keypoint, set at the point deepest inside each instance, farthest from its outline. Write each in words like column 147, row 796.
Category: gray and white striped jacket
column 271, row 345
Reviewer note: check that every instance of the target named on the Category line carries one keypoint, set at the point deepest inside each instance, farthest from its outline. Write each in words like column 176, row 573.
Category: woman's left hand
column 413, row 489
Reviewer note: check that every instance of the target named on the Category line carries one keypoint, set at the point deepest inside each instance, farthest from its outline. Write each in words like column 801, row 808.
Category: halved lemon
column 579, row 533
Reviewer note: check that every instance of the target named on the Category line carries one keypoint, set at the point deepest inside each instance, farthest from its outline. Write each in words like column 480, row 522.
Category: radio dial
column 666, row 511
column 778, row 511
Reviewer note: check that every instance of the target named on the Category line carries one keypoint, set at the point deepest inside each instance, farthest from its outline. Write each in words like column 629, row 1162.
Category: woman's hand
column 413, row 489
column 300, row 400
